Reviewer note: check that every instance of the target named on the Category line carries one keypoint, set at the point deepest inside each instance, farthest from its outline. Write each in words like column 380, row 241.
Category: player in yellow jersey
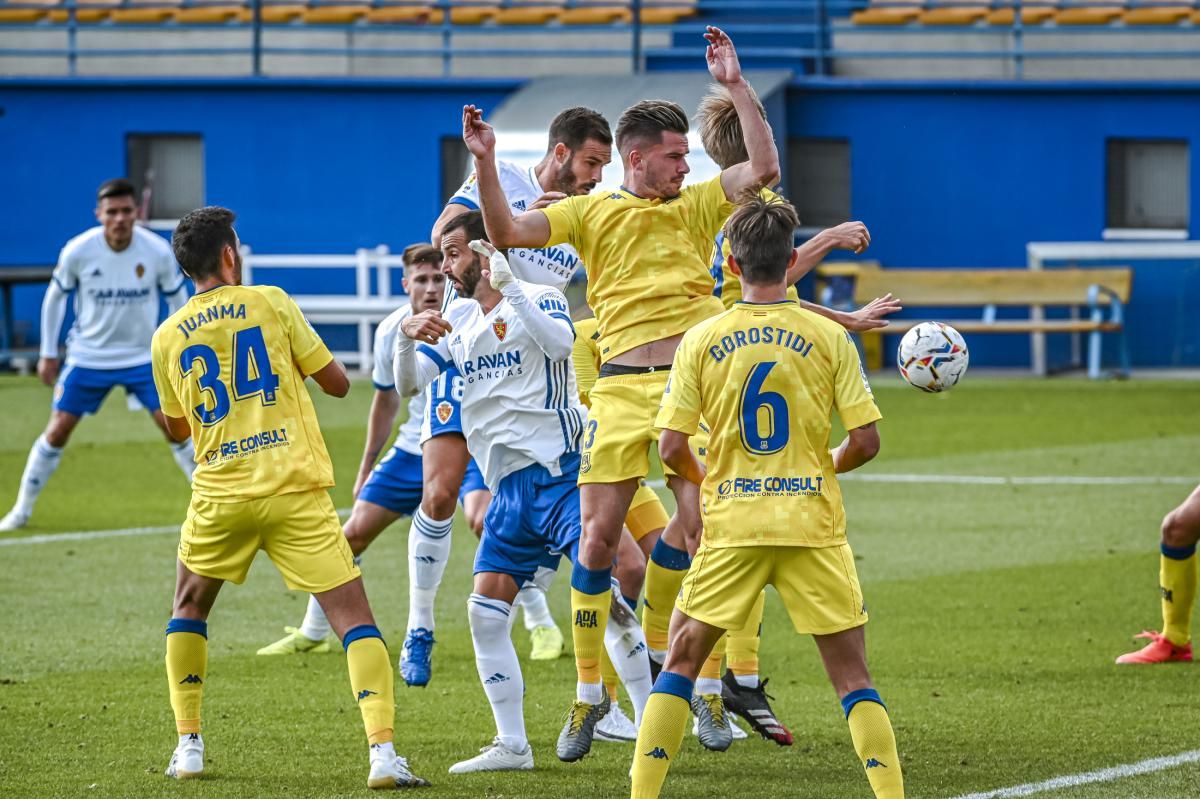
column 767, row 375
column 230, row 369
column 648, row 282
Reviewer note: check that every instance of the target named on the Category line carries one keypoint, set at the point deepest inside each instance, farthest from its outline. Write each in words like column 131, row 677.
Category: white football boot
column 616, row 727
column 13, row 520
column 389, row 770
column 496, row 757
column 187, row 761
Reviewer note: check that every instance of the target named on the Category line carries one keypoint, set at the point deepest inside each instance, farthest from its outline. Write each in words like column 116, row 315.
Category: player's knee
column 1177, row 531
column 438, row 501
column 485, row 620
column 58, row 433
column 357, row 534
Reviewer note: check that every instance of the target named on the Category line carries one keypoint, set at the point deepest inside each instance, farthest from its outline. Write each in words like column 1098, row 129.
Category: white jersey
column 546, row 266
column 518, row 407
column 116, row 305
column 408, row 437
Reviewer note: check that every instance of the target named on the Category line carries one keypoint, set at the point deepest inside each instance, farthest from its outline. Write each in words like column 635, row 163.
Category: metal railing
column 801, row 33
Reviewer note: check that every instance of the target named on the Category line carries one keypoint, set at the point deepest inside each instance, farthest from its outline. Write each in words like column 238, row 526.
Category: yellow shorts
column 699, row 447
column 646, row 513
column 300, row 532
column 818, row 586
column 620, row 428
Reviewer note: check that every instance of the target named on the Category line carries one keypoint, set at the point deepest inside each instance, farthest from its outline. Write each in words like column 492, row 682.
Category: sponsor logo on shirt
column 775, row 486
column 243, row 447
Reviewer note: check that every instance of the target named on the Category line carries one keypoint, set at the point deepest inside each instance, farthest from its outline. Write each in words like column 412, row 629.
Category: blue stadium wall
column 944, row 174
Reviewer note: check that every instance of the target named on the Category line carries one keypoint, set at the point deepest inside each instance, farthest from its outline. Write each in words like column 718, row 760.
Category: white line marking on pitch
column 92, row 535
column 1087, row 778
column 990, row 480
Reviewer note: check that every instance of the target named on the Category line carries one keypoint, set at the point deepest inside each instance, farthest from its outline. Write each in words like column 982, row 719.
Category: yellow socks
column 591, row 593
column 1177, row 579
column 371, row 681
column 742, row 647
column 711, row 670
column 660, row 734
column 187, row 664
column 608, row 674
column 874, row 741
column 664, row 574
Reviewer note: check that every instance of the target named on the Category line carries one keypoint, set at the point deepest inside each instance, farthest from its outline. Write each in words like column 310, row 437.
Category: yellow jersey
column 727, row 287
column 585, row 355
column 766, row 378
column 645, row 259
column 232, row 361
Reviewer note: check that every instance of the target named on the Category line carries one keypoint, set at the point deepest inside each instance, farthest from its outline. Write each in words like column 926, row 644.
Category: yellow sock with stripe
column 710, row 673
column 1177, row 579
column 742, row 649
column 664, row 574
column 660, row 734
column 187, row 667
column 874, row 741
column 591, row 593
column 371, row 681
column 608, row 674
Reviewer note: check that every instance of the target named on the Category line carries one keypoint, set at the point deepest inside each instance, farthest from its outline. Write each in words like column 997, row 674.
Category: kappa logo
column 1167, row 594
column 873, row 763
column 586, row 618
column 364, row 693
column 139, row 270
column 500, row 328
column 444, row 411
column 192, row 679
column 658, row 753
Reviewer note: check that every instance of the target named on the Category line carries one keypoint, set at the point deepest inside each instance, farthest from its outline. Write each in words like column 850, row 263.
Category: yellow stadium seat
column 888, row 14
column 529, row 12
column 146, row 11
column 666, row 12
column 468, row 13
column 86, row 11
column 399, row 13
column 28, row 14
column 274, row 12
column 1030, row 14
column 953, row 13
column 336, row 14
column 1157, row 15
column 208, row 13
column 1089, row 15
column 596, row 13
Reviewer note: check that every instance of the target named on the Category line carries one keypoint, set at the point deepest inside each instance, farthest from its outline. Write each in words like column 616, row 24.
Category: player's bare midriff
column 652, row 353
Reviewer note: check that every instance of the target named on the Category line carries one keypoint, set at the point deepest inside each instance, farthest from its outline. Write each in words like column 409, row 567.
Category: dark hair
column 720, row 128
column 647, row 121
column 574, row 126
column 421, row 253
column 199, row 239
column 117, row 187
column 760, row 238
column 472, row 224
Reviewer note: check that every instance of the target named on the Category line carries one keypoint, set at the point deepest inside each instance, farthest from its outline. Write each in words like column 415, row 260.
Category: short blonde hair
column 720, row 128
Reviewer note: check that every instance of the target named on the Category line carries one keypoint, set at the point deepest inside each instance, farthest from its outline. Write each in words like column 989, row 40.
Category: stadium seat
column 399, row 13
column 887, row 13
column 336, row 13
column 1005, row 13
column 582, row 12
column 1100, row 14
column 86, row 11
column 32, row 11
column 145, row 11
column 1166, row 14
column 954, row 12
column 529, row 12
column 468, row 12
column 666, row 12
column 208, row 13
column 274, row 11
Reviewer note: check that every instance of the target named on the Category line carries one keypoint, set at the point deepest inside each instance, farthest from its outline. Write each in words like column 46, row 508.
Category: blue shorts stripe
column 360, row 632
column 188, row 626
column 861, row 695
column 669, row 682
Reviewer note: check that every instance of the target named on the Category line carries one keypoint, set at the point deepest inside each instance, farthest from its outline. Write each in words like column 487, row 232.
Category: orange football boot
column 1159, row 650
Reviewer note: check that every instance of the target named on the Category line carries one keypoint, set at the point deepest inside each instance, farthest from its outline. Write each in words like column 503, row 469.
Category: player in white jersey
column 580, row 145
column 522, row 417
column 118, row 272
column 387, row 490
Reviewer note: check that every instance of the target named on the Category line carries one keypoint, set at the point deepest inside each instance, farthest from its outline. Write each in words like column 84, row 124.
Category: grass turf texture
column 996, row 610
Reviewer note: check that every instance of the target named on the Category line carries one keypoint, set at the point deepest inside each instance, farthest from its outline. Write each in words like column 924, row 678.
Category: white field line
column 92, row 535
column 989, row 480
column 1089, row 777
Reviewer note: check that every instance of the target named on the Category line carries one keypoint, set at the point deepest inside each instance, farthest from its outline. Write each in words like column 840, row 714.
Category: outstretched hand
column 479, row 136
column 852, row 236
column 722, row 58
column 427, row 327
column 871, row 316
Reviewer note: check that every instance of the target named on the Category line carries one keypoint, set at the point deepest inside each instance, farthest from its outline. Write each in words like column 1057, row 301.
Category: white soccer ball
column 932, row 357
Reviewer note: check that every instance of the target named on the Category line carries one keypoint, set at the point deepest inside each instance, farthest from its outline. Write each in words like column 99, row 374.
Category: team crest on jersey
column 500, row 328
column 444, row 411
column 139, row 270
column 585, row 463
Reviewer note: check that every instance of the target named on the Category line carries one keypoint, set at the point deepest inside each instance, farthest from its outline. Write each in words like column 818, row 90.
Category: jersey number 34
column 252, row 375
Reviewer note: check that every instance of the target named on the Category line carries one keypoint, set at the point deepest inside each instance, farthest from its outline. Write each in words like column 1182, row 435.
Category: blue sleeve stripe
column 175, row 290
column 382, row 387
column 360, row 632
column 463, row 201
column 59, row 284
column 187, row 626
column 565, row 318
column 861, row 695
column 433, row 355
column 669, row 682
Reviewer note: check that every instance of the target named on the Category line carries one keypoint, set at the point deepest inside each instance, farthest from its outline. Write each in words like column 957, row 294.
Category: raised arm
column 852, row 236
column 763, row 167
column 417, row 365
column 545, row 320
column 530, row 229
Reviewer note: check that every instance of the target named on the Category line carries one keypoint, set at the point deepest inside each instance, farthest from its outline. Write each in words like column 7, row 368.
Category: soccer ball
column 932, row 357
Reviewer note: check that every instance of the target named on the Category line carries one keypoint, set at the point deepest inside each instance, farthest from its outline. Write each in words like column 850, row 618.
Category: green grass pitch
column 996, row 612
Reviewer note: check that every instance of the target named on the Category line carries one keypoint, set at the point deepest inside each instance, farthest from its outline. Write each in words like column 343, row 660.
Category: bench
column 1102, row 291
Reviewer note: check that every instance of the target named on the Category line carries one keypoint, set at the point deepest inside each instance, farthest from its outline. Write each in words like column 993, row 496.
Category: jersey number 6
column 252, row 375
column 762, row 415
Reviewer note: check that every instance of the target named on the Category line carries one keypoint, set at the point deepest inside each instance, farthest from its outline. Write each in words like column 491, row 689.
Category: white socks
column 43, row 460
column 185, row 455
column 707, row 685
column 499, row 671
column 532, row 600
column 627, row 650
column 428, row 550
column 315, row 626
column 747, row 680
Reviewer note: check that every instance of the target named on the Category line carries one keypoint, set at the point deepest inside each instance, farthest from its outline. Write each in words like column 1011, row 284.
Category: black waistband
column 615, row 369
